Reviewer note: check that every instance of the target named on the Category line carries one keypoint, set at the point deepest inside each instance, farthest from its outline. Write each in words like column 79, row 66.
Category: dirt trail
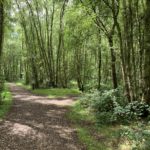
column 37, row 123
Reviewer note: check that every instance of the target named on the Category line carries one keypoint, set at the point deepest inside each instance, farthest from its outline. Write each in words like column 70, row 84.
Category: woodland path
column 37, row 123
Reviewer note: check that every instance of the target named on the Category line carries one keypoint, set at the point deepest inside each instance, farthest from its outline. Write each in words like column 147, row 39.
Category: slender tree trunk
column 147, row 54
column 60, row 43
column 1, row 24
column 113, row 63
column 124, row 72
column 51, row 46
column 99, row 67
column 1, row 43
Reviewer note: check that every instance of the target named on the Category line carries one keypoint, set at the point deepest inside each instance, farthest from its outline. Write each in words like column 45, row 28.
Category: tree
column 1, row 42
column 147, row 54
column 1, row 24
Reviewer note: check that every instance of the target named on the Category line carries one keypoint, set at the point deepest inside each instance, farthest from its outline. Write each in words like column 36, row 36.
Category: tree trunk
column 113, row 63
column 1, row 25
column 60, row 42
column 1, row 43
column 147, row 54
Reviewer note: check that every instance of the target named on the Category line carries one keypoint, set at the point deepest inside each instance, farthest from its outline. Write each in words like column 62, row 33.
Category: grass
column 89, row 141
column 6, row 103
column 52, row 92
column 57, row 92
column 85, row 123
column 108, row 137
column 28, row 87
column 79, row 114
column 93, row 136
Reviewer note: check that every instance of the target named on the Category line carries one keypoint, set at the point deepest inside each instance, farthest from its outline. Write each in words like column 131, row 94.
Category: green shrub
column 110, row 106
column 102, row 103
column 132, row 111
column 87, row 99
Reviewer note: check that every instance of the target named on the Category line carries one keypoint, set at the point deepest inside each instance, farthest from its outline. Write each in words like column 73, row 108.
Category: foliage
column 132, row 111
column 110, row 106
column 88, row 44
column 1, row 86
column 6, row 102
column 135, row 135
column 84, row 121
column 102, row 103
column 139, row 135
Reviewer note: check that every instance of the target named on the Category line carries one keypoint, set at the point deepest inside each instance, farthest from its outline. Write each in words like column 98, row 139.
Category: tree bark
column 1, row 43
column 147, row 54
column 113, row 63
column 1, row 24
column 60, row 42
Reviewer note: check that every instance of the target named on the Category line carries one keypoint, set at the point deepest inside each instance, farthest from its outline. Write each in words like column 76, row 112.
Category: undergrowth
column 6, row 102
column 105, row 121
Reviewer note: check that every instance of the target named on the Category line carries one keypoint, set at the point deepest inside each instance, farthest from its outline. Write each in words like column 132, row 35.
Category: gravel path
column 37, row 123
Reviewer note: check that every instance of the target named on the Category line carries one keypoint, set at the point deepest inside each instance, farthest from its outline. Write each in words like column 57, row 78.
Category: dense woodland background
column 101, row 47
column 89, row 43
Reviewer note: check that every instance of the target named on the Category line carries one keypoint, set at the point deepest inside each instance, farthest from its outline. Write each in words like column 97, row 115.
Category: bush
column 102, row 103
column 132, row 111
column 110, row 106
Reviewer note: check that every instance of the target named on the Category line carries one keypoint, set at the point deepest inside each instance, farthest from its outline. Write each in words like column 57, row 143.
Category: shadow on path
column 37, row 123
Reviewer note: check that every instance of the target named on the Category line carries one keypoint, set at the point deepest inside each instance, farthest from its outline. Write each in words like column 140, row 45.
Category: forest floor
column 38, row 123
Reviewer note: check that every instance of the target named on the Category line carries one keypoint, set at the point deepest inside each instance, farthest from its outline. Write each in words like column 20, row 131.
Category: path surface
column 37, row 123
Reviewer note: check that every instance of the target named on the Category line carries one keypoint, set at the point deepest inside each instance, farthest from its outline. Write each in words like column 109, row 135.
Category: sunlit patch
column 64, row 132
column 21, row 130
column 125, row 146
column 45, row 101
column 28, row 114
column 65, row 102
column 71, row 146
column 40, row 125
column 6, row 124
column 55, row 113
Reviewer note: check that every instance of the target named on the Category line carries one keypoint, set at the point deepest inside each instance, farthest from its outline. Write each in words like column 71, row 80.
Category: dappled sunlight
column 37, row 122
column 28, row 114
column 54, row 113
column 6, row 124
column 22, row 130
column 126, row 145
column 43, row 99
column 65, row 102
column 63, row 132
column 46, row 101
column 71, row 146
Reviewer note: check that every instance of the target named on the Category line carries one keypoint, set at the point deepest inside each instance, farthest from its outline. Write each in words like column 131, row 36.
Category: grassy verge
column 57, row 92
column 28, row 87
column 53, row 92
column 6, row 103
column 96, row 137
